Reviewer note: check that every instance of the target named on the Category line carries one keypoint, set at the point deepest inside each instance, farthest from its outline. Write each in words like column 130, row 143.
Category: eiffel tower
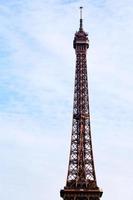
column 81, row 181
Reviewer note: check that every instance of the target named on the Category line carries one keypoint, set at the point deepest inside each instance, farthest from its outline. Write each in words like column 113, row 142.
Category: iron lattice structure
column 81, row 181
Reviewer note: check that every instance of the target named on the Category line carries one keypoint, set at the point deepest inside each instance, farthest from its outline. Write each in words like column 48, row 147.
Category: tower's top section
column 81, row 37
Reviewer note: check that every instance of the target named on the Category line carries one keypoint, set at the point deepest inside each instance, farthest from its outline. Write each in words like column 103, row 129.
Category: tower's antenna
column 81, row 19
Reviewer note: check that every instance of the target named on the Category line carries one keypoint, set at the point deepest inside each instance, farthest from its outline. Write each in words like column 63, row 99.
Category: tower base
column 81, row 194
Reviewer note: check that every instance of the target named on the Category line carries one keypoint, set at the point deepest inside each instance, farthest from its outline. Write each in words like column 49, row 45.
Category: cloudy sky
column 37, row 64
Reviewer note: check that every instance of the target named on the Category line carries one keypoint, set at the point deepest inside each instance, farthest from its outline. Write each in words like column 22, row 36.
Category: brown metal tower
column 81, row 181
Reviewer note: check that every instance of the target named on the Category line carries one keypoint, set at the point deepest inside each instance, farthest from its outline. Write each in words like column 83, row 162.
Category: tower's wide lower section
column 81, row 194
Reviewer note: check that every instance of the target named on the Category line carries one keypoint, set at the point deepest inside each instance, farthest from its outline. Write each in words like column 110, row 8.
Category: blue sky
column 37, row 64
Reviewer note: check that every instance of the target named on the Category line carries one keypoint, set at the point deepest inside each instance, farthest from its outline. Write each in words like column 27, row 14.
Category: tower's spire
column 81, row 19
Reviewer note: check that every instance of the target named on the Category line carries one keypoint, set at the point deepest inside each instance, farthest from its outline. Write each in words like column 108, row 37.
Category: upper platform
column 81, row 37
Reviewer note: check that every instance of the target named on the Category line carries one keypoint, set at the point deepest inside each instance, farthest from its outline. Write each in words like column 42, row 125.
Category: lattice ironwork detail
column 81, row 170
